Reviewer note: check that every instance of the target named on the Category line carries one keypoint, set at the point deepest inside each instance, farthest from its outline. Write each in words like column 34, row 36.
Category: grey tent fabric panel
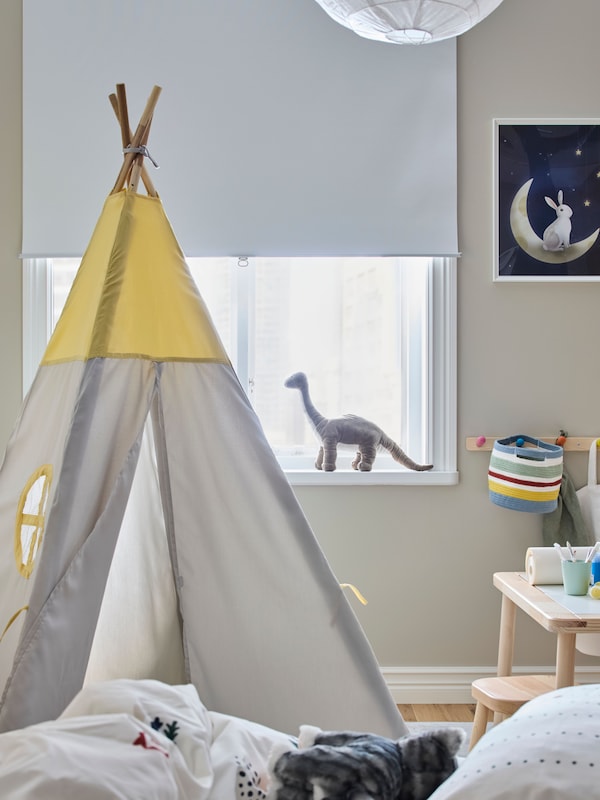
column 108, row 419
column 83, row 525
column 38, row 439
column 51, row 662
column 270, row 634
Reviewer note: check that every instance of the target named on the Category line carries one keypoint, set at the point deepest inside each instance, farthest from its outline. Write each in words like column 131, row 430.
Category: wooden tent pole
column 123, row 113
column 138, row 163
column 137, row 139
column 119, row 103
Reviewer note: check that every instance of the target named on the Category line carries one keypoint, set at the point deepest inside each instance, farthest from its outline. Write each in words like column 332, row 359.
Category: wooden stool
column 504, row 696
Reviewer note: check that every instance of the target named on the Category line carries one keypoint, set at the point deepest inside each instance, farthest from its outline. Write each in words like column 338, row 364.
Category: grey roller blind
column 278, row 131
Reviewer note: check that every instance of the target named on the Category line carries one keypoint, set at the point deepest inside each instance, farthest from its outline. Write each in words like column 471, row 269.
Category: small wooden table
column 517, row 592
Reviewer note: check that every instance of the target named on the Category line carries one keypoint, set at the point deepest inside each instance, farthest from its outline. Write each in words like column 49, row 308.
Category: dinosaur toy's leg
column 329, row 453
column 367, row 453
column 319, row 461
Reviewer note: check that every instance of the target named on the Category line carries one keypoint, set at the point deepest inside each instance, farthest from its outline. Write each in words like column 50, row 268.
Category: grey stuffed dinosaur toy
column 349, row 429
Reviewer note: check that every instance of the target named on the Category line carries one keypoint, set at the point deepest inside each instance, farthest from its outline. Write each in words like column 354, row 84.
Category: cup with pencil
column 576, row 572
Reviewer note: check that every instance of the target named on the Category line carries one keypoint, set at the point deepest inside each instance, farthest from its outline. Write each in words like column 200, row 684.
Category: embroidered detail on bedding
column 170, row 730
column 143, row 742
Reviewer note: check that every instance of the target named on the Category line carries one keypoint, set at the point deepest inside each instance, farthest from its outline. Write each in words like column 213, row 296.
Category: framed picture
column 547, row 200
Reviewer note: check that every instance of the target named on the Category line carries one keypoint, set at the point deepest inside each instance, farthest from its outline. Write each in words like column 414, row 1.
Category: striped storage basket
column 525, row 476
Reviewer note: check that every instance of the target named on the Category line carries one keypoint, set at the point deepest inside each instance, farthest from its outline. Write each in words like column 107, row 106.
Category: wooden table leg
column 565, row 659
column 480, row 721
column 506, row 643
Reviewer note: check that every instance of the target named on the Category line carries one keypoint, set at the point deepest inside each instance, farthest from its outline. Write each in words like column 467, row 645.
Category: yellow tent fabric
column 133, row 296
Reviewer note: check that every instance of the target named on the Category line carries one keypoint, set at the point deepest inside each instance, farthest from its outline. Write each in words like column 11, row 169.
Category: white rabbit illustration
column 557, row 234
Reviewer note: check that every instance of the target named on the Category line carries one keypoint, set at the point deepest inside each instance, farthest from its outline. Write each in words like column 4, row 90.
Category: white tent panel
column 259, row 601
column 139, row 629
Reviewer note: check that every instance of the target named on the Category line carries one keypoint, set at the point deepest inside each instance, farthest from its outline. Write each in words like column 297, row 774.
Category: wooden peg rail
column 572, row 444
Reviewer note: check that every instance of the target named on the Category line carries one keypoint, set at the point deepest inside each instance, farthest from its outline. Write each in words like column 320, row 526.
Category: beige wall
column 10, row 214
column 526, row 353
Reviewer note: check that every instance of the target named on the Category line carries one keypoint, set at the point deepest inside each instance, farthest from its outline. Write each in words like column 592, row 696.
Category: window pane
column 356, row 326
column 63, row 275
column 215, row 280
column 337, row 320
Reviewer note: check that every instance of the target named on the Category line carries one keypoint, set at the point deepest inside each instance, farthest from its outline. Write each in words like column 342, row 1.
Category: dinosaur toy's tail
column 398, row 454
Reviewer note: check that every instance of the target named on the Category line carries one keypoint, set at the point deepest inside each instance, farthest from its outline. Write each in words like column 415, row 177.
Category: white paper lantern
column 409, row 21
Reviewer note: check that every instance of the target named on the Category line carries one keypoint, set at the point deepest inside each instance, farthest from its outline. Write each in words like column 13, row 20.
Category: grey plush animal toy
column 349, row 429
column 363, row 766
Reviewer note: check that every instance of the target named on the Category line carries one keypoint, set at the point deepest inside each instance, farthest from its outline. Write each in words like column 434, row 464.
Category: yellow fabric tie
column 358, row 595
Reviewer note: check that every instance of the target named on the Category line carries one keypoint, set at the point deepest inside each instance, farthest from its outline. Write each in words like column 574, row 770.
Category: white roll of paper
column 542, row 564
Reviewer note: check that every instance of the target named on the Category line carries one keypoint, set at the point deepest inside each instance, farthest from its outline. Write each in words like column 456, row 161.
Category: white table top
column 577, row 604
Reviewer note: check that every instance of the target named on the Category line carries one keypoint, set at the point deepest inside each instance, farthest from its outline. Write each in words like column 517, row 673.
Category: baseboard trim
column 446, row 685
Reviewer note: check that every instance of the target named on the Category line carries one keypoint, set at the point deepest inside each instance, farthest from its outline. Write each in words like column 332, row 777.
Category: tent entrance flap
column 139, row 629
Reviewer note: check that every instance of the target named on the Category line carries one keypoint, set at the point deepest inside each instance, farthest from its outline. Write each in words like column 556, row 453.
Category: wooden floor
column 437, row 713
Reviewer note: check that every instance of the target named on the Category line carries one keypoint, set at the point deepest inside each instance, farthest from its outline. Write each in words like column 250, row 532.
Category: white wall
column 424, row 556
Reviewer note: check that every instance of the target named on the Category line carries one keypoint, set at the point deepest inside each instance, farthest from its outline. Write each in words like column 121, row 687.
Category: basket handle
column 544, row 449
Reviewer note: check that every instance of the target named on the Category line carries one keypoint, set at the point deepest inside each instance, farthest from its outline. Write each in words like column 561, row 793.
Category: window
column 375, row 336
column 31, row 519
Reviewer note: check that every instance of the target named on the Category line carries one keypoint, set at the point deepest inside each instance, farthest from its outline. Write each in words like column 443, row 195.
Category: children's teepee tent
column 148, row 530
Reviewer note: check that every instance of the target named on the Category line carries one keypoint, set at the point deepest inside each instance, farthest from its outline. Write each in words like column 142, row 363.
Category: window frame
column 440, row 380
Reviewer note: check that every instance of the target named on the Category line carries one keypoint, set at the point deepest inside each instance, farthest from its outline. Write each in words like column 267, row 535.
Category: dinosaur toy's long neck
column 315, row 416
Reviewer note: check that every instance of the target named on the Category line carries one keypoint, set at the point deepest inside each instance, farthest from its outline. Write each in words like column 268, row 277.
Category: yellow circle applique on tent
column 31, row 518
column 12, row 619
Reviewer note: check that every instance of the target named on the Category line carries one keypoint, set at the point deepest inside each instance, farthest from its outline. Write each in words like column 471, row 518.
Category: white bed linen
column 548, row 750
column 110, row 743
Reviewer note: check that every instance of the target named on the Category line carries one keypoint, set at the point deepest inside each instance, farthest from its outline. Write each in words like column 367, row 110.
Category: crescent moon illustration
column 531, row 243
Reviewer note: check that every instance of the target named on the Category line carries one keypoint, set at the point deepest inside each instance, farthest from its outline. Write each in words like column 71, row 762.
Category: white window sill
column 350, row 477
